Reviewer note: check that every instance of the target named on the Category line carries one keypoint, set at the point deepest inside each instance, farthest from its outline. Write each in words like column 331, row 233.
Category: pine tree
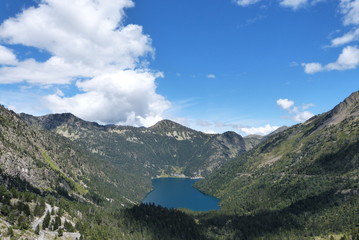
column 26, row 210
column 68, row 227
column 37, row 210
column 61, row 232
column 46, row 222
column 10, row 232
column 23, row 222
column 57, row 223
column 37, row 230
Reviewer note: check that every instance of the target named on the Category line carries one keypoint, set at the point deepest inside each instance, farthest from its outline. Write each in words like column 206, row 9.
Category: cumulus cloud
column 263, row 130
column 350, row 10
column 53, row 71
column 6, row 56
column 92, row 48
column 126, row 105
column 212, row 127
column 348, row 59
column 85, row 31
column 311, row 68
column 295, row 113
column 285, row 103
column 302, row 116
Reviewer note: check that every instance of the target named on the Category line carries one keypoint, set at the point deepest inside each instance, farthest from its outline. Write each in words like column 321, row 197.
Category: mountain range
column 300, row 181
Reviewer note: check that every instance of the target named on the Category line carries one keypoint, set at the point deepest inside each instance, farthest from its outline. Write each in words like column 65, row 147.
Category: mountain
column 166, row 148
column 27, row 155
column 297, row 183
column 53, row 188
column 302, row 180
column 44, row 162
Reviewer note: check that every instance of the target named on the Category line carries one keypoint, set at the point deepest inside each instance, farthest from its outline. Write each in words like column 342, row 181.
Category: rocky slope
column 35, row 158
column 44, row 162
column 165, row 148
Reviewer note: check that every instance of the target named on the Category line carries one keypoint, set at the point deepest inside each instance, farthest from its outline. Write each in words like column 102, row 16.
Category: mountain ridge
column 296, row 183
column 183, row 150
column 304, row 174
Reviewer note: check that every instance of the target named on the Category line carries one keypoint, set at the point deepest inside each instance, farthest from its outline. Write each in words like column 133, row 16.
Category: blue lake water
column 179, row 193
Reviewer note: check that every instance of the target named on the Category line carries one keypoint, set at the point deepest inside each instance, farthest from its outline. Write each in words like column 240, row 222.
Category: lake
column 179, row 193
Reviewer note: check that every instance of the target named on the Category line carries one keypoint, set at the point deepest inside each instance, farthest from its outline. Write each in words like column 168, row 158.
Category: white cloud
column 285, row 103
column 303, row 116
column 246, row 2
column 294, row 4
column 306, row 106
column 264, row 130
column 85, row 31
column 294, row 112
column 6, row 56
column 53, row 71
column 210, row 132
column 350, row 10
column 91, row 47
column 311, row 68
column 346, row 38
column 348, row 59
column 59, row 93
column 211, row 76
column 125, row 96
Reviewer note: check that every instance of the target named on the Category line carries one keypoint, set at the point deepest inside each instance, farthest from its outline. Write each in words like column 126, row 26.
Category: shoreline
column 176, row 176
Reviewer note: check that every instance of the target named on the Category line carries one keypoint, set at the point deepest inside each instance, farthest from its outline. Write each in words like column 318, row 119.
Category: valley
column 300, row 182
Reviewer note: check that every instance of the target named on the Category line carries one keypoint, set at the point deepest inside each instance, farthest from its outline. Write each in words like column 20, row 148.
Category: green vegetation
column 77, row 187
column 300, row 183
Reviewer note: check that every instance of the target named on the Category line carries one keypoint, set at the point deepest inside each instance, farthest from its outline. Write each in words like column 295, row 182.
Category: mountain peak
column 52, row 121
column 348, row 108
column 167, row 125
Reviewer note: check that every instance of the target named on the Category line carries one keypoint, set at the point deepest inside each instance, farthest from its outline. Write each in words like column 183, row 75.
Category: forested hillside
column 303, row 181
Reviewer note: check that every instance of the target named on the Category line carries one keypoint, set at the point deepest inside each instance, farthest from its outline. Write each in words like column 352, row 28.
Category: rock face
column 44, row 162
column 165, row 148
column 36, row 159
column 349, row 108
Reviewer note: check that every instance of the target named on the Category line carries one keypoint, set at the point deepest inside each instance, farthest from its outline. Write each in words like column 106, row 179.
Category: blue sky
column 214, row 65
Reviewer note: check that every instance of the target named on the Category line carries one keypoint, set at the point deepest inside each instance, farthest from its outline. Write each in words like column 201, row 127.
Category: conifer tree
column 46, row 222
column 37, row 230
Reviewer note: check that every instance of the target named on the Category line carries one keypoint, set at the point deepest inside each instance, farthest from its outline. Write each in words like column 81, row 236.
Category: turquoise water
column 179, row 193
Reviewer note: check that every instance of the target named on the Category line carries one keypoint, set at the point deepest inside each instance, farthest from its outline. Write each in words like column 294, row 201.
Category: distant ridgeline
column 300, row 182
column 165, row 148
